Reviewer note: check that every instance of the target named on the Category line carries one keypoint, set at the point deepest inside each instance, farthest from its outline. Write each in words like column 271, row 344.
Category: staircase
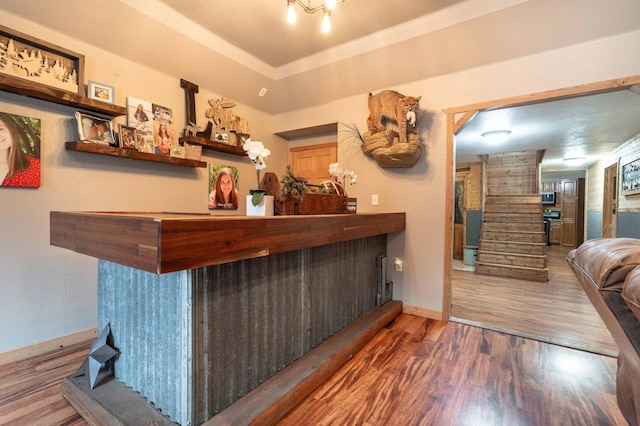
column 512, row 239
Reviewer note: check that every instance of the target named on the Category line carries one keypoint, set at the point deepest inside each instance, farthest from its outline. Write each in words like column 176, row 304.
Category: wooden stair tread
column 501, row 265
column 508, row 253
column 512, row 242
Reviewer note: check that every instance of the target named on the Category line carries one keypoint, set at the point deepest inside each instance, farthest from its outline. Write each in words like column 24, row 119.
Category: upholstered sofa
column 608, row 270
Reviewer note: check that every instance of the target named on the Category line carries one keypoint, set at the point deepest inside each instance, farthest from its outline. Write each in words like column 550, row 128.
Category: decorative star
column 99, row 353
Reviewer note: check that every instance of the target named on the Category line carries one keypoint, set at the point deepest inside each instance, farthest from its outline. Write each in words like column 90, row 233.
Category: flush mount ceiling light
column 574, row 161
column 496, row 136
column 326, row 7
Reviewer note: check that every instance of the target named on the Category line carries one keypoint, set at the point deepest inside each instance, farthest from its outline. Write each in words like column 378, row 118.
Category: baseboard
column 422, row 312
column 36, row 349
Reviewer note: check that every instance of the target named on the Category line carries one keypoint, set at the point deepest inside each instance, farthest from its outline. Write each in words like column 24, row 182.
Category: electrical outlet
column 374, row 200
column 397, row 262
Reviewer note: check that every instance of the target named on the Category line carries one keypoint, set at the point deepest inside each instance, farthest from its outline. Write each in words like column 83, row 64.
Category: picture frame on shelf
column 221, row 137
column 100, row 92
column 128, row 137
column 95, row 129
column 41, row 62
column 631, row 178
column 241, row 138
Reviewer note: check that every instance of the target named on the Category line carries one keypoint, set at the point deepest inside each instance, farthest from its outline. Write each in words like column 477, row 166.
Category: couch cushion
column 606, row 261
column 631, row 291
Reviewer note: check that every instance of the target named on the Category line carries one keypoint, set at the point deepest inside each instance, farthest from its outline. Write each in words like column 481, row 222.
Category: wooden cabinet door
column 548, row 186
column 568, row 188
column 555, row 231
column 312, row 162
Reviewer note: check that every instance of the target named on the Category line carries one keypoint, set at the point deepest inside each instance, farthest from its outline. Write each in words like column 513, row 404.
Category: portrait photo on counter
column 223, row 184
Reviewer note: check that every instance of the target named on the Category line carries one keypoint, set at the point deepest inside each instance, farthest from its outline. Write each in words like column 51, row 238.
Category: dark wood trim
column 30, row 89
column 94, row 148
column 213, row 145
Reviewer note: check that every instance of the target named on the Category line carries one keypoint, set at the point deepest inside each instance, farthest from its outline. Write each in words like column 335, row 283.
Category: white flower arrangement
column 257, row 153
column 342, row 176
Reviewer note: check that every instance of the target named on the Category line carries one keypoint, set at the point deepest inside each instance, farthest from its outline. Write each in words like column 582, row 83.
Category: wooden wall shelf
column 95, row 148
column 30, row 89
column 216, row 146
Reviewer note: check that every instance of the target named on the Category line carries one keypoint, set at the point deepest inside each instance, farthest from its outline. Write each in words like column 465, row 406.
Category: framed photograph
column 21, row 135
column 39, row 61
column 100, row 92
column 631, row 178
column 95, row 129
column 223, row 184
column 128, row 137
column 221, row 137
column 240, row 139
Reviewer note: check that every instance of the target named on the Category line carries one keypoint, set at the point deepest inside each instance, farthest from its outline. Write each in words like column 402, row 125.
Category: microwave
column 548, row 198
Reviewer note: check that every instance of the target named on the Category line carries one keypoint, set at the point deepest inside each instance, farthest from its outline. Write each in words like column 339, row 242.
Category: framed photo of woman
column 20, row 148
column 223, row 184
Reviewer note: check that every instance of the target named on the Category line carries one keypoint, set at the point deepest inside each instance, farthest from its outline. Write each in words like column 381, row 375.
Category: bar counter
column 204, row 308
column 168, row 242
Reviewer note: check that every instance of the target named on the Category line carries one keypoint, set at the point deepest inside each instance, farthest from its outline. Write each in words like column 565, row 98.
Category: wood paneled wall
column 473, row 190
column 513, row 173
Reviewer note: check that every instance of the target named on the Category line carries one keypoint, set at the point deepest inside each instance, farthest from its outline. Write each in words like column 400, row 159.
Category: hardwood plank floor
column 415, row 371
column 425, row 372
column 30, row 389
column 557, row 311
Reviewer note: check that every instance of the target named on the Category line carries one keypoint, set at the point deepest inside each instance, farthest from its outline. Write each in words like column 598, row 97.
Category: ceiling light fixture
column 326, row 7
column 574, row 161
column 496, row 136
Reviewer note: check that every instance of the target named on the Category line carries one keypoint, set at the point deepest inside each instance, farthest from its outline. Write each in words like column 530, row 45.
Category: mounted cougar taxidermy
column 393, row 106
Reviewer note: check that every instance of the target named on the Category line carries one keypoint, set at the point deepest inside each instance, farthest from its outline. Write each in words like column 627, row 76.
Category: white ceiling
column 589, row 126
column 260, row 26
column 593, row 124
column 586, row 126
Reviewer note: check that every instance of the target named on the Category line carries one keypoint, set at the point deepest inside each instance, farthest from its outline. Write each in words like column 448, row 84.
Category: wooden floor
column 424, row 372
column 415, row 371
column 558, row 311
column 30, row 389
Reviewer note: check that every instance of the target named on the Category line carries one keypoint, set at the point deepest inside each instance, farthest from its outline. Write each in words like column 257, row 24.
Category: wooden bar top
column 169, row 242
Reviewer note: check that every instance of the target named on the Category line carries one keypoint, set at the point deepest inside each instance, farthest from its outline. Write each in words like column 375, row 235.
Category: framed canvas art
column 20, row 144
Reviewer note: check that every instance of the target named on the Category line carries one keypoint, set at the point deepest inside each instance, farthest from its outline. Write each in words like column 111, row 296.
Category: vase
column 264, row 208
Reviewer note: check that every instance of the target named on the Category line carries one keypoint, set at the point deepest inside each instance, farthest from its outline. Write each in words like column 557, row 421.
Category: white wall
column 49, row 292
column 420, row 191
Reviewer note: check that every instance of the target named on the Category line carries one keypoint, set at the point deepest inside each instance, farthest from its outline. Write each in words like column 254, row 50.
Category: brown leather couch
column 608, row 270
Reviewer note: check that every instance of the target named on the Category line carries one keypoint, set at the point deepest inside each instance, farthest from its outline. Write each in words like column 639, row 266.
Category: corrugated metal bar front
column 150, row 318
column 255, row 317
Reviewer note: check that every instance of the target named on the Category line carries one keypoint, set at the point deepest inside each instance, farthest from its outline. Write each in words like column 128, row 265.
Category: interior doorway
column 609, row 202
column 456, row 120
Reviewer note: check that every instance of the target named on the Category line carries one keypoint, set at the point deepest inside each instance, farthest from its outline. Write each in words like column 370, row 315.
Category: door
column 459, row 219
column 312, row 161
column 610, row 202
column 569, row 208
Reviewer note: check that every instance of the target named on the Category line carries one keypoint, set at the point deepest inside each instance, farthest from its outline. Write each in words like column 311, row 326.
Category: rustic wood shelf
column 30, row 89
column 95, row 148
column 216, row 146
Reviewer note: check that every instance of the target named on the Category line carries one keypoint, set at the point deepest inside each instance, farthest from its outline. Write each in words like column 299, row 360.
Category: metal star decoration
column 99, row 353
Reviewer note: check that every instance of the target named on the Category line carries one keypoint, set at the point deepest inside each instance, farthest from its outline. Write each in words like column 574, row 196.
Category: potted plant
column 262, row 205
